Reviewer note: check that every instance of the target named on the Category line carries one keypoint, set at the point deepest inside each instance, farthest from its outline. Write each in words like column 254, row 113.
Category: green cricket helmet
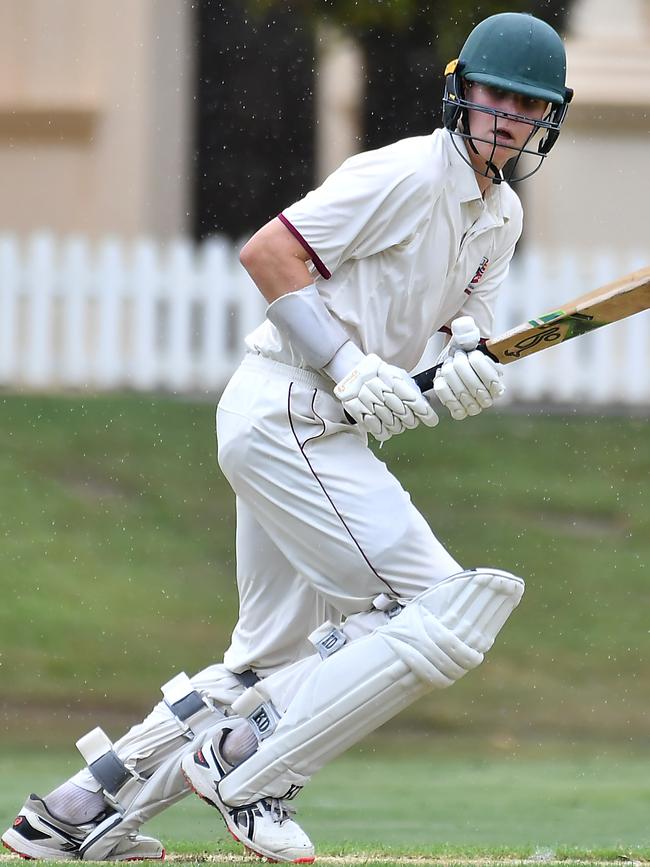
column 515, row 52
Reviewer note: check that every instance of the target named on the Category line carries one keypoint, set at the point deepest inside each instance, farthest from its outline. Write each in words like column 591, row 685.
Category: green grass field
column 384, row 800
column 116, row 570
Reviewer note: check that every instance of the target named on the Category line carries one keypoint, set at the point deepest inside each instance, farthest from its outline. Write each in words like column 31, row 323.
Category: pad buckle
column 391, row 607
column 259, row 711
column 327, row 639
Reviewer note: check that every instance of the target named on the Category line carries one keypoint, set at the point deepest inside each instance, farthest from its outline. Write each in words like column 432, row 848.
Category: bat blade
column 602, row 306
column 610, row 303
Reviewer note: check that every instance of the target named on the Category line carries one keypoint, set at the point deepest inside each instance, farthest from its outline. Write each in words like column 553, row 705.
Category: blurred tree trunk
column 339, row 98
column 255, row 116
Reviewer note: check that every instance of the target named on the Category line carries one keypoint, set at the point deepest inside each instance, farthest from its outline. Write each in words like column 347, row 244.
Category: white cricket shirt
column 401, row 242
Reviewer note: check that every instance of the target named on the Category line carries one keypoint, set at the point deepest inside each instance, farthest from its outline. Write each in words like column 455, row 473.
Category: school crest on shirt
column 480, row 271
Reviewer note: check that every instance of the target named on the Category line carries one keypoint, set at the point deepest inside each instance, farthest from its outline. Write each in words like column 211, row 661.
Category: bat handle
column 424, row 379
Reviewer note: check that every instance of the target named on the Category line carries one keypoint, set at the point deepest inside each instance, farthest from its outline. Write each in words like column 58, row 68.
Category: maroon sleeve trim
column 318, row 263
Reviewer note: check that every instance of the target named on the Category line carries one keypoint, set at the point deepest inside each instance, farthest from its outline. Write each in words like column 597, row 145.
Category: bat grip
column 424, row 379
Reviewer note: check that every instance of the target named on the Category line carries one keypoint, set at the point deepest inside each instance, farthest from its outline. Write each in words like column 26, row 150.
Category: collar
column 494, row 202
column 465, row 183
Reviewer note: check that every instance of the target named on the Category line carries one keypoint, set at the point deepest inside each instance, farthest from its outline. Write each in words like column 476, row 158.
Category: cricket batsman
column 350, row 607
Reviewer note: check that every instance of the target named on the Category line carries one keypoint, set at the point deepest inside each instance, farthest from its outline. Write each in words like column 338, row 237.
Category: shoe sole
column 12, row 841
column 40, row 853
column 247, row 844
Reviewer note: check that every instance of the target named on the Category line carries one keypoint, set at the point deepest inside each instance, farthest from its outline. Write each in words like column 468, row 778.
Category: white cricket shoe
column 38, row 834
column 265, row 828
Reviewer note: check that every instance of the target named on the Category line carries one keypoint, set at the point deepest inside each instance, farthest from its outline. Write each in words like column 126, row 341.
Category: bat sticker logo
column 548, row 317
column 568, row 327
column 546, row 335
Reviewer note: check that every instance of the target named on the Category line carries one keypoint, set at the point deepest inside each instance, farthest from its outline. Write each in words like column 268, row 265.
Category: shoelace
column 280, row 812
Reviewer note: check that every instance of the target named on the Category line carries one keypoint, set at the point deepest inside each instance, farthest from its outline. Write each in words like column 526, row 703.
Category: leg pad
column 432, row 642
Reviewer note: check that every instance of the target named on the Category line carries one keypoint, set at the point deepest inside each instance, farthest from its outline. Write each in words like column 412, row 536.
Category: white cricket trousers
column 323, row 527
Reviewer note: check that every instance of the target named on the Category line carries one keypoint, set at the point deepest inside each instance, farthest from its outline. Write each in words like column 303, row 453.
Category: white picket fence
column 148, row 316
column 115, row 315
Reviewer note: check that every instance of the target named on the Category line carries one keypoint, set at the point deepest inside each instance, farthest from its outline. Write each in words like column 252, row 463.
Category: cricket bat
column 609, row 303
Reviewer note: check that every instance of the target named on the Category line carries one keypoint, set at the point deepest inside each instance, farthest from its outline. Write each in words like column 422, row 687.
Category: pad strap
column 104, row 764
column 185, row 702
column 247, row 678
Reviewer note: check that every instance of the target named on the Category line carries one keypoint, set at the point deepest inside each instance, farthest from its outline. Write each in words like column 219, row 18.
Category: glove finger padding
column 468, row 383
column 394, row 403
column 409, row 419
column 380, row 431
column 477, row 392
column 395, row 427
column 371, row 392
column 416, row 407
column 489, row 372
column 385, row 435
column 424, row 412
column 398, row 381
column 453, row 393
column 355, row 408
column 448, row 398
column 458, row 384
column 385, row 415
column 383, row 399
column 374, row 418
column 372, row 425
column 416, row 402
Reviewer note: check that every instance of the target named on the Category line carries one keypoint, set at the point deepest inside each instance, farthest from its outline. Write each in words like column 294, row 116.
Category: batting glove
column 465, row 335
column 468, row 383
column 383, row 399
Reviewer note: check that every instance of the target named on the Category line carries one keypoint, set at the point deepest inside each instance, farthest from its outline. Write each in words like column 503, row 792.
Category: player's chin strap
column 497, row 174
